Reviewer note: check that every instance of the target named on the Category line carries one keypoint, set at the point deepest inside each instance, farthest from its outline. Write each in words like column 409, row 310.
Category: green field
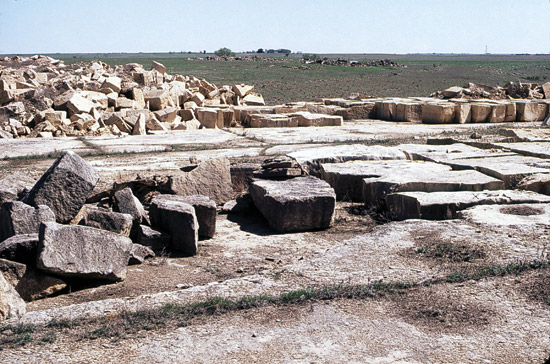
column 286, row 79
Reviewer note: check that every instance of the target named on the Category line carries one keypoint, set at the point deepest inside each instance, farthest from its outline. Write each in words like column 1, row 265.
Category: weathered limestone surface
column 445, row 205
column 19, row 218
column 179, row 220
column 444, row 153
column 311, row 159
column 14, row 186
column 64, row 187
column 440, row 113
column 11, row 304
column 211, row 178
column 82, row 251
column 298, row 204
column 510, row 169
column 404, row 176
column 511, row 215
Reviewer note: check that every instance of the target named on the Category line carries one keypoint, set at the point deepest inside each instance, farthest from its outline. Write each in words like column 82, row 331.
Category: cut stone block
column 409, row 112
column 158, row 99
column 480, row 112
column 271, row 121
column 113, row 83
column 20, row 248
column 78, row 104
column 308, row 119
column 508, row 215
column 405, row 176
column 298, row 204
column 441, row 113
column 83, row 252
column 107, row 220
column 445, row 205
column 211, row 178
column 254, row 99
column 209, row 118
column 463, row 113
column 19, row 218
column 64, row 187
column 530, row 111
column 179, row 220
column 139, row 253
column 205, row 209
column 498, row 113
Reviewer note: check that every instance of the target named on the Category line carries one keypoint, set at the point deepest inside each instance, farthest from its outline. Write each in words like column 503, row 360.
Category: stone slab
column 442, row 153
column 311, row 159
column 404, row 176
column 445, row 205
column 510, row 169
column 298, row 204
column 533, row 149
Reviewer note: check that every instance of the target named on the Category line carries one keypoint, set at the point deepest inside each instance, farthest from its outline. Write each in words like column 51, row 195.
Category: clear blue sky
column 321, row 26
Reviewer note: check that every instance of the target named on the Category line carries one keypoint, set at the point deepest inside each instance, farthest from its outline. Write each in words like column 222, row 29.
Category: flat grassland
column 284, row 79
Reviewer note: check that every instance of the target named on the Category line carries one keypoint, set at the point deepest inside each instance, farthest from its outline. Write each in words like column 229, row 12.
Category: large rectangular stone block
column 298, row 204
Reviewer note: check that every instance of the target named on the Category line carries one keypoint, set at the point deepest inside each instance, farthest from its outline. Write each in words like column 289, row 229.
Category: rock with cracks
column 299, row 204
column 64, row 187
column 83, row 252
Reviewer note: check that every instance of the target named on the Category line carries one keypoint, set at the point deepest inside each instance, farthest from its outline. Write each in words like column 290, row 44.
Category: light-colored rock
column 209, row 118
column 179, row 220
column 158, row 99
column 78, row 104
column 254, row 99
column 64, row 187
column 445, row 205
column 114, row 83
column 140, row 126
column 126, row 203
column 83, row 252
column 463, row 113
column 159, row 67
column 211, row 178
column 530, row 110
column 297, row 204
column 438, row 113
column 508, row 215
column 11, row 304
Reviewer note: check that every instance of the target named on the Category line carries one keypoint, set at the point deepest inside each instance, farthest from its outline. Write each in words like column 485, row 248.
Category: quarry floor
column 490, row 319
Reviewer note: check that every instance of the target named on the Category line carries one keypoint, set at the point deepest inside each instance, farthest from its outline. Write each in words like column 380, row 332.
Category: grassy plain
column 286, row 79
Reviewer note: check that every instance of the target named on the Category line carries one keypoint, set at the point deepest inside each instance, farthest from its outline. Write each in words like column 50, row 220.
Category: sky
column 309, row 26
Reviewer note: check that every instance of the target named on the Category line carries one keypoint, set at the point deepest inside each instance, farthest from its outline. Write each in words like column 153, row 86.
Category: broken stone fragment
column 298, row 204
column 13, row 271
column 179, row 220
column 19, row 218
column 127, row 203
column 64, row 187
column 139, row 253
column 83, row 252
column 242, row 90
column 159, row 67
column 114, row 83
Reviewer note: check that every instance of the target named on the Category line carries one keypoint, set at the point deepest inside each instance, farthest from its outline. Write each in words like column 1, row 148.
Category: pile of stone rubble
column 512, row 90
column 58, row 231
column 41, row 96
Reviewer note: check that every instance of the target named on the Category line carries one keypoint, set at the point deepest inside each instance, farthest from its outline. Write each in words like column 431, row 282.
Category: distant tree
column 224, row 52
column 310, row 57
column 285, row 51
column 260, row 50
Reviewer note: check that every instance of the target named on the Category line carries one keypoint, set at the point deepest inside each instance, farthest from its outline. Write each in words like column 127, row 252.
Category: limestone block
column 297, row 204
column 440, row 113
